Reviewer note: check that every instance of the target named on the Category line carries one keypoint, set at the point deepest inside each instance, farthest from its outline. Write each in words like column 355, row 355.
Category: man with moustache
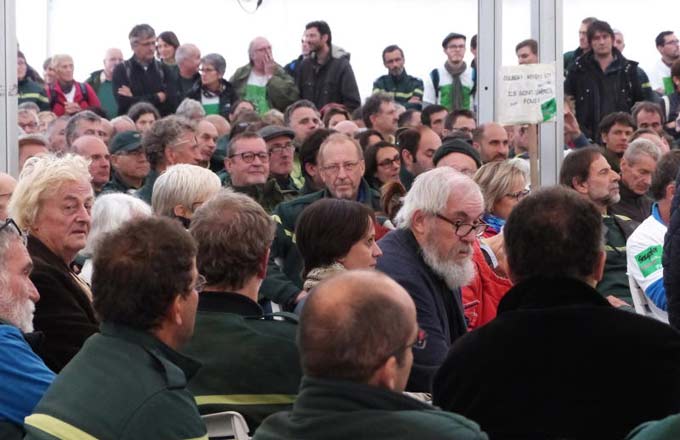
column 430, row 255
column 406, row 90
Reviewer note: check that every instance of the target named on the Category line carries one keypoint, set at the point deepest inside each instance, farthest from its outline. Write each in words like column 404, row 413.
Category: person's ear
column 311, row 169
column 386, row 375
column 418, row 222
column 175, row 311
column 580, row 187
column 670, row 191
column 181, row 211
column 406, row 157
column 598, row 270
column 262, row 270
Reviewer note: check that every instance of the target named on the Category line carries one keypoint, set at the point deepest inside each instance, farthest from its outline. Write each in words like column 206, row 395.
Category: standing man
column 583, row 45
column 451, row 84
column 406, row 90
column 660, row 74
column 188, row 58
column 142, row 78
column 430, row 255
column 263, row 81
column 603, row 81
column 101, row 82
column 326, row 76
column 147, row 316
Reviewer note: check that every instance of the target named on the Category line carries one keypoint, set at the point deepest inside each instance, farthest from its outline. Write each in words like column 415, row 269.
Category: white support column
column 489, row 35
column 546, row 28
column 9, row 156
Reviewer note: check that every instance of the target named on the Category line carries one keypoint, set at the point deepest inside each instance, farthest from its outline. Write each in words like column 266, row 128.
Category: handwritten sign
column 526, row 94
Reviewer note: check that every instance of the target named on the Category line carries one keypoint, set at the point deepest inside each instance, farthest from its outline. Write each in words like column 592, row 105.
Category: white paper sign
column 526, row 94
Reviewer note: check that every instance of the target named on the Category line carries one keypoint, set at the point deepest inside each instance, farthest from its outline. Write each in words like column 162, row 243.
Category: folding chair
column 226, row 425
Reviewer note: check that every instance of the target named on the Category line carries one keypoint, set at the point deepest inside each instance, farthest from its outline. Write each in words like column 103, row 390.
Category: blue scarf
column 495, row 223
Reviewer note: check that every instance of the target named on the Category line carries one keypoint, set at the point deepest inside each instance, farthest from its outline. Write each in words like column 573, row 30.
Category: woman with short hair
column 215, row 93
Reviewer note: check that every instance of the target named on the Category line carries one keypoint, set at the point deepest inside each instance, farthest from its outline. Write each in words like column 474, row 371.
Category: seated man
column 281, row 153
column 615, row 131
column 357, row 332
column 250, row 361
column 556, row 360
column 129, row 382
column 645, row 245
column 587, row 172
column 24, row 377
column 430, row 255
column 637, row 167
column 129, row 163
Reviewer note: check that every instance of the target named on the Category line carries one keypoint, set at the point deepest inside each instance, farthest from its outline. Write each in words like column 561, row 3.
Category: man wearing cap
column 451, row 84
column 281, row 150
column 459, row 155
column 129, row 163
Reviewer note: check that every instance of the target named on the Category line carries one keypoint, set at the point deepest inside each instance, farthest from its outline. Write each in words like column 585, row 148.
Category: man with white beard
column 430, row 255
column 23, row 375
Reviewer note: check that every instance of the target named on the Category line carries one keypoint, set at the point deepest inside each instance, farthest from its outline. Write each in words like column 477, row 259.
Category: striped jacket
column 402, row 88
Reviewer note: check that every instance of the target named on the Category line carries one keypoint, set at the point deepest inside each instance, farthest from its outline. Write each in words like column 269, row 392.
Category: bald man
column 356, row 336
column 93, row 148
column 102, row 81
column 7, row 185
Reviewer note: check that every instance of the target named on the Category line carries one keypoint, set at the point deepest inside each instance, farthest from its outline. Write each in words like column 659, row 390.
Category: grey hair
column 190, row 109
column 72, row 124
column 161, row 135
column 184, row 185
column 109, row 212
column 184, row 51
column 141, row 32
column 30, row 106
column 639, row 147
column 431, row 192
column 496, row 179
column 217, row 61
column 28, row 111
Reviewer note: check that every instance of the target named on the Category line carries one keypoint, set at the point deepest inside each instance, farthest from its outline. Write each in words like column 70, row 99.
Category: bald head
column 354, row 323
column 7, row 185
column 220, row 123
column 346, row 127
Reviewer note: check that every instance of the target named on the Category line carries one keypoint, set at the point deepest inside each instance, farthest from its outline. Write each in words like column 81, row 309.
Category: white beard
column 20, row 315
column 455, row 274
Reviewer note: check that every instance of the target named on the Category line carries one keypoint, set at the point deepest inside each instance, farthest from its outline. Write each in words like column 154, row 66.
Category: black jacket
column 560, row 362
column 671, row 261
column 599, row 93
column 227, row 96
column 332, row 81
column 145, row 84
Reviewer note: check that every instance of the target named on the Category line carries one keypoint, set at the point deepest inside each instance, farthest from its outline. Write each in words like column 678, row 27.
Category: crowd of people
column 178, row 245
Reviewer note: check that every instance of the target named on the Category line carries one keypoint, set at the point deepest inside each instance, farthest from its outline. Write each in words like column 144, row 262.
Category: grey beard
column 455, row 274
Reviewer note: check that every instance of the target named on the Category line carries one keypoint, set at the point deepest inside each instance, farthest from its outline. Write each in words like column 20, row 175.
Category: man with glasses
column 451, row 84
column 24, row 377
column 430, row 255
column 129, row 163
column 357, row 337
column 247, row 166
column 660, row 74
column 341, row 165
column 281, row 154
column 142, row 77
column 129, row 381
column 557, row 361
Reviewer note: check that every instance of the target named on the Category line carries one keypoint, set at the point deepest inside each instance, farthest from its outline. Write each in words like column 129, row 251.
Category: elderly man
column 587, row 172
column 358, row 331
column 28, row 121
column 101, row 82
column 66, row 95
column 417, row 147
column 263, row 81
column 430, row 255
column 554, row 376
column 281, row 154
column 169, row 141
column 56, row 134
column 233, row 234
column 247, row 165
column 645, row 245
column 491, row 140
column 142, row 77
column 7, row 185
column 52, row 201
column 31, row 145
column 129, row 163
column 188, row 58
column 95, row 150
column 24, row 377
column 147, row 315
column 82, row 123
column 637, row 168
column 340, row 163
column 206, row 136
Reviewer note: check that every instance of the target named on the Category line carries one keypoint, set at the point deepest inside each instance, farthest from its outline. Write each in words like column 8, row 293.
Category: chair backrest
column 226, row 425
column 642, row 304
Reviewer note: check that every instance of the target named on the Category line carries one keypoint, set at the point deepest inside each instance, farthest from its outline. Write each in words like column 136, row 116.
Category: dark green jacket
column 664, row 429
column 250, row 361
column 123, row 384
column 282, row 284
column 31, row 91
column 116, row 185
column 268, row 195
column 615, row 279
column 106, row 94
column 330, row 410
column 281, row 88
column 402, row 88
column 146, row 191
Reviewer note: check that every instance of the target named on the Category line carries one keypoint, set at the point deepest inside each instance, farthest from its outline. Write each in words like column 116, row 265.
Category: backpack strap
column 434, row 76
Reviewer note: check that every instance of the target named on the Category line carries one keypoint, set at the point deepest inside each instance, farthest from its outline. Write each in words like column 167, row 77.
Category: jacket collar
column 228, row 302
column 37, row 248
column 550, row 292
column 343, row 396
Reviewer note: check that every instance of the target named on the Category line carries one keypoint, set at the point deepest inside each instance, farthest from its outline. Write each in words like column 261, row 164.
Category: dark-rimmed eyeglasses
column 396, row 160
column 10, row 223
column 249, row 156
column 335, row 167
column 280, row 149
column 463, row 229
column 200, row 283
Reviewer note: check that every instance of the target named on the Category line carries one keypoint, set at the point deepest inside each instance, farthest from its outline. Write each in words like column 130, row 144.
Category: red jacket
column 482, row 295
column 59, row 100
